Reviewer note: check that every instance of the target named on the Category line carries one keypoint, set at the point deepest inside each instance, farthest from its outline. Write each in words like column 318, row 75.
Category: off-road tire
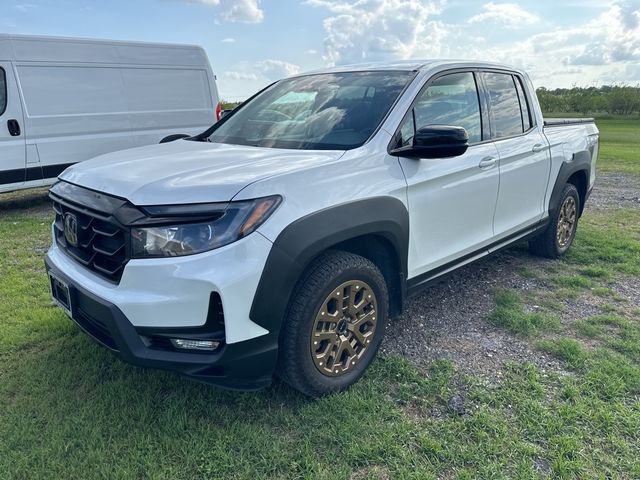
column 297, row 363
column 547, row 243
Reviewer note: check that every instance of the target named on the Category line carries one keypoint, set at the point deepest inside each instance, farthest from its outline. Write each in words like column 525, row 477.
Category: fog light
column 185, row 344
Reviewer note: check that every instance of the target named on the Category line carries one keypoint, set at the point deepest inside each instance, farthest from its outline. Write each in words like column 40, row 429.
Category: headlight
column 237, row 220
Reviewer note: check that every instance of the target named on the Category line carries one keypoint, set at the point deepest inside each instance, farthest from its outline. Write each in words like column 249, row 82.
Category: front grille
column 101, row 243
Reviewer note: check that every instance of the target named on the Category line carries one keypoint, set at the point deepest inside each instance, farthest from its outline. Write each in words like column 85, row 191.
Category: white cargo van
column 66, row 100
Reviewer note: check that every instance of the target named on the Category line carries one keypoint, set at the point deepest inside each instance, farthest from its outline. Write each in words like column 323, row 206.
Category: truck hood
column 188, row 171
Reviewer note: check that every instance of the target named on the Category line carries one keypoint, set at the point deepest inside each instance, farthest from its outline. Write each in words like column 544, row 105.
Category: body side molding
column 416, row 284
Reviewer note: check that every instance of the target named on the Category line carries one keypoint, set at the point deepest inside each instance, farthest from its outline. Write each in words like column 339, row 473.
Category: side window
column 3, row 91
column 449, row 100
column 527, row 121
column 505, row 106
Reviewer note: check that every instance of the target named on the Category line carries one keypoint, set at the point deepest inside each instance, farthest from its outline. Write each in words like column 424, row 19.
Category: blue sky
column 253, row 42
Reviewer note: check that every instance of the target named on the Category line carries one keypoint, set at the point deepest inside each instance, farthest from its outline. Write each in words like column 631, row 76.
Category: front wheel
column 559, row 235
column 334, row 324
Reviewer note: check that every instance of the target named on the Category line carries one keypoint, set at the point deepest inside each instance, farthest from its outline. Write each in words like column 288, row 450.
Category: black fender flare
column 580, row 162
column 306, row 238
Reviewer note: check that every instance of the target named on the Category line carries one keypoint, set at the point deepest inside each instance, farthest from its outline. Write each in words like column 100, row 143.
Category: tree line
column 608, row 100
column 605, row 100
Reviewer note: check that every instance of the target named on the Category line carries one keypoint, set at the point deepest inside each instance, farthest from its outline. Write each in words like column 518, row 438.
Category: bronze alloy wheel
column 566, row 222
column 343, row 328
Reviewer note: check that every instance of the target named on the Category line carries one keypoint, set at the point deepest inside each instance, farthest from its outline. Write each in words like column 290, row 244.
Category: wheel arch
column 580, row 180
column 375, row 228
column 577, row 172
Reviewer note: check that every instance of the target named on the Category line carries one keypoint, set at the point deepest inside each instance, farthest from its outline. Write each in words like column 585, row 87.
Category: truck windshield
column 337, row 111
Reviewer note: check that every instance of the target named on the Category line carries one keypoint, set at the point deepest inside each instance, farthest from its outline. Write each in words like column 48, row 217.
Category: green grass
column 599, row 249
column 619, row 146
column 510, row 314
column 70, row 409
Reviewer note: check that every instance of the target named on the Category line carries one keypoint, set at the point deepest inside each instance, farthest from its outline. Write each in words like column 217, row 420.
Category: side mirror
column 436, row 141
column 226, row 112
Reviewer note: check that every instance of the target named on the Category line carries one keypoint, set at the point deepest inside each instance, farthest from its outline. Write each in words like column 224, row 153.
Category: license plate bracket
column 61, row 294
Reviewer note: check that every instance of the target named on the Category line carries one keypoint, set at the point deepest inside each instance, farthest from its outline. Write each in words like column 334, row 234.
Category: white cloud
column 584, row 54
column 24, row 7
column 228, row 40
column 264, row 70
column 244, row 11
column 233, row 75
column 246, row 78
column 276, row 69
column 370, row 30
column 311, row 51
column 587, row 53
column 508, row 14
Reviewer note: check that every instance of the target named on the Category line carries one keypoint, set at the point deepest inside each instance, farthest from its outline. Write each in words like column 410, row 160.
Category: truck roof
column 36, row 48
column 412, row 65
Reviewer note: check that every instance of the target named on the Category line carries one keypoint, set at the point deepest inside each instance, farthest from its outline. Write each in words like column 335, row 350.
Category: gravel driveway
column 449, row 319
column 615, row 190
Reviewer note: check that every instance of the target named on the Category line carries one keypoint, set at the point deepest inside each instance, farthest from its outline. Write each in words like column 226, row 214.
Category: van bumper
column 244, row 365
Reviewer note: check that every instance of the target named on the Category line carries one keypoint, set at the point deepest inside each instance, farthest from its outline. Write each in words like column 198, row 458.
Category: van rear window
column 3, row 91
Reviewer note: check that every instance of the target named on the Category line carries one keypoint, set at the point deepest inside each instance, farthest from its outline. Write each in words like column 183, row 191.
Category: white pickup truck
column 282, row 239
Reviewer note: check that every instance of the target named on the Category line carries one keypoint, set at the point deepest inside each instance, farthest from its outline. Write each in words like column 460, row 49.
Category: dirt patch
column 615, row 190
column 628, row 288
column 449, row 320
column 375, row 471
column 33, row 201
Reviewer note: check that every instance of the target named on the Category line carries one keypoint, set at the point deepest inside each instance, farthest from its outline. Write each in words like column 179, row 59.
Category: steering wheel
column 283, row 116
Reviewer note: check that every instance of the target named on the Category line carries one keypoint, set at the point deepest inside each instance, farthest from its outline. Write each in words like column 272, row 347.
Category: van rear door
column 12, row 135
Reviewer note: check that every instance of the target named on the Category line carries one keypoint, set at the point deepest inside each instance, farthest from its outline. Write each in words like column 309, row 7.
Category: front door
column 451, row 200
column 12, row 140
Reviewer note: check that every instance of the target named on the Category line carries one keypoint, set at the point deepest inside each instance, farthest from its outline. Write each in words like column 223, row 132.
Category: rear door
column 523, row 150
column 451, row 200
column 12, row 139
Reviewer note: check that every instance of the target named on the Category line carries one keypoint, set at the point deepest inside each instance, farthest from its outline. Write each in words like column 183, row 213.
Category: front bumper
column 246, row 365
column 174, row 292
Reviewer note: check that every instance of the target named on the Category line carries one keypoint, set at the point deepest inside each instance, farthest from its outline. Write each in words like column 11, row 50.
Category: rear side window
column 505, row 111
column 527, row 121
column 3, row 91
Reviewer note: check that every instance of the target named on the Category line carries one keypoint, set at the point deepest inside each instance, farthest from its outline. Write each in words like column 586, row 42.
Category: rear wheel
column 559, row 235
column 334, row 324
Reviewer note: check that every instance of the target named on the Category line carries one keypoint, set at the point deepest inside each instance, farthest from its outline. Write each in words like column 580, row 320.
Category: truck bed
column 556, row 122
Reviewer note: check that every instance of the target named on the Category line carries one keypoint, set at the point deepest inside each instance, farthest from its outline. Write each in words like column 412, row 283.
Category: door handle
column 487, row 162
column 14, row 127
column 539, row 147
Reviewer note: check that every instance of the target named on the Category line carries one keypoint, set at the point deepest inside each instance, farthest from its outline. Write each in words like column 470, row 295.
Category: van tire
column 298, row 363
column 547, row 244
